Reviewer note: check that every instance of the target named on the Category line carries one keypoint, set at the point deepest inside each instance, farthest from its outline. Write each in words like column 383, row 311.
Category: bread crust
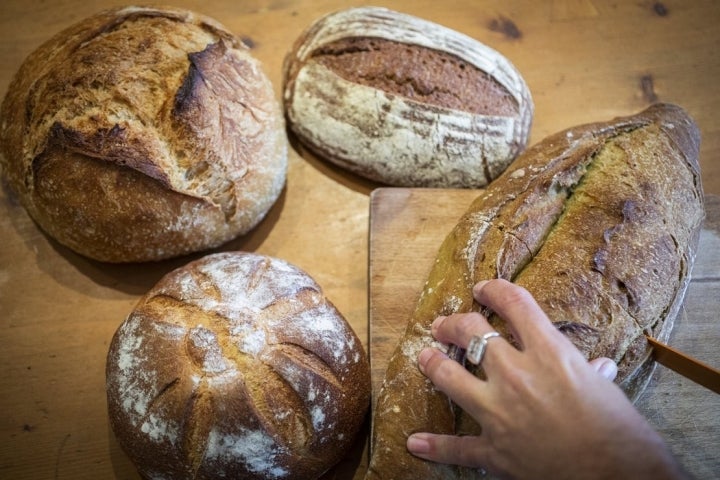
column 404, row 101
column 600, row 223
column 236, row 366
column 143, row 133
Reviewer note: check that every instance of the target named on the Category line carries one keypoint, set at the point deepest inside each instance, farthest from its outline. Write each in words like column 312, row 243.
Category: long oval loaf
column 600, row 223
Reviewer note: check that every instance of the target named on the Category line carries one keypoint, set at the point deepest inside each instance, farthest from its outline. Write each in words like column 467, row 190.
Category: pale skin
column 545, row 411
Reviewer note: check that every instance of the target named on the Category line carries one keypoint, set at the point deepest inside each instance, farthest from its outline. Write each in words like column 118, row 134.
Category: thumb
column 605, row 367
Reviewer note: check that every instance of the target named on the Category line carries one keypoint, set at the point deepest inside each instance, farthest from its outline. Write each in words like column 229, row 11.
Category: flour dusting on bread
column 237, row 363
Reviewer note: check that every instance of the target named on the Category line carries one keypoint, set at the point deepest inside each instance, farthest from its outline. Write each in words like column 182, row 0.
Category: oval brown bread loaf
column 600, row 223
column 143, row 133
column 404, row 101
column 236, row 366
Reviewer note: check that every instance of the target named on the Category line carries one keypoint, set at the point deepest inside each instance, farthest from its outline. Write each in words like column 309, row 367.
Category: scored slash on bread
column 404, row 101
column 141, row 134
column 236, row 366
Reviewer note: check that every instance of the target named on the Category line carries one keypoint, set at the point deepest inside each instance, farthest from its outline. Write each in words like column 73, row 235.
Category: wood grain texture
column 686, row 414
column 584, row 60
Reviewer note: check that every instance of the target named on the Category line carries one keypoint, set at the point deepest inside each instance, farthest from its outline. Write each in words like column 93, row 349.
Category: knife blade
column 685, row 365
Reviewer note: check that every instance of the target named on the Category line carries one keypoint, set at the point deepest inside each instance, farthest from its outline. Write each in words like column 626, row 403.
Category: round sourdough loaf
column 236, row 366
column 143, row 133
column 404, row 101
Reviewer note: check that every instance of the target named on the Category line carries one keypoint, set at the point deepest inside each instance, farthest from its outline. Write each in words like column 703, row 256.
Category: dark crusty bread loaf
column 404, row 101
column 143, row 133
column 236, row 366
column 600, row 223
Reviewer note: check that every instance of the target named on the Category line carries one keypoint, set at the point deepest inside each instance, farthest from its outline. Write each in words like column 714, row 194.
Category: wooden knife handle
column 686, row 366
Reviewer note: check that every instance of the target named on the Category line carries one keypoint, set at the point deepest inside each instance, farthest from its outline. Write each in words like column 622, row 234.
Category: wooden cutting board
column 407, row 227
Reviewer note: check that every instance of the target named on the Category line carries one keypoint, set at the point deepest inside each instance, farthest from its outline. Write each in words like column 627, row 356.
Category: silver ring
column 476, row 348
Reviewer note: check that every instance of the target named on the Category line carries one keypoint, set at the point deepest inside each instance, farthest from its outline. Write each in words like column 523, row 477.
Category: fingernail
column 479, row 286
column 608, row 370
column 423, row 358
column 436, row 324
column 418, row 443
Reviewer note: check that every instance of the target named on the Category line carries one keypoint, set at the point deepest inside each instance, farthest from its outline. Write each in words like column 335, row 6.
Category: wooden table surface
column 583, row 60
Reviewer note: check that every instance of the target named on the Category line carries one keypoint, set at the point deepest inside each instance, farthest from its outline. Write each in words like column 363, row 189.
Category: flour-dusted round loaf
column 236, row 366
column 405, row 101
column 143, row 133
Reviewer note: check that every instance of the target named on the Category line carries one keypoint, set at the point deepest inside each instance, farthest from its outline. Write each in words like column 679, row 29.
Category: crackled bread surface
column 143, row 133
column 236, row 366
column 600, row 222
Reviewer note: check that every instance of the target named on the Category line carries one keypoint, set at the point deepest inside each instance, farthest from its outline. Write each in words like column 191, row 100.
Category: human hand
column 544, row 410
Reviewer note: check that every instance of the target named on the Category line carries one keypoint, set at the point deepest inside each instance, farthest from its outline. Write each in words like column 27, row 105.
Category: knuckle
column 442, row 372
column 437, row 366
column 470, row 453
column 515, row 294
column 467, row 323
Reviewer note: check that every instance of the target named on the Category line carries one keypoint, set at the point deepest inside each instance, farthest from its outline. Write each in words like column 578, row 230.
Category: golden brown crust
column 236, row 366
column 600, row 223
column 162, row 97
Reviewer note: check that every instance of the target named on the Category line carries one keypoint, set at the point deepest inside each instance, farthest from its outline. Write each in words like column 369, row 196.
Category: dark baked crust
column 421, row 74
column 600, row 223
column 161, row 98
column 236, row 366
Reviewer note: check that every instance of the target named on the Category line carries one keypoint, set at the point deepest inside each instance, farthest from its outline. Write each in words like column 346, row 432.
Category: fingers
column 466, row 451
column 505, row 403
column 511, row 302
column 517, row 307
column 458, row 329
column 454, row 380
column 525, row 317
